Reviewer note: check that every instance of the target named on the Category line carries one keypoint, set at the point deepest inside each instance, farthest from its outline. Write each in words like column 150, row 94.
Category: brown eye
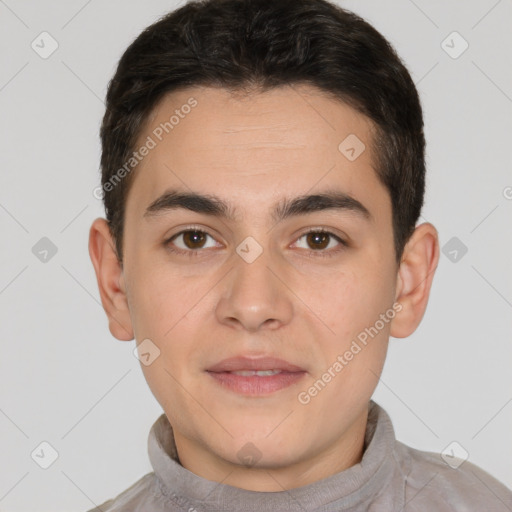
column 318, row 240
column 190, row 242
column 321, row 243
column 194, row 239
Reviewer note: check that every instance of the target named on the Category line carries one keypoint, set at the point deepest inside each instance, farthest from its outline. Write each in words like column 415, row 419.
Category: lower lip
column 256, row 385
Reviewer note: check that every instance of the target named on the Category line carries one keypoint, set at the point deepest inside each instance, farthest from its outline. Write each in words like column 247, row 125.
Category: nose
column 255, row 295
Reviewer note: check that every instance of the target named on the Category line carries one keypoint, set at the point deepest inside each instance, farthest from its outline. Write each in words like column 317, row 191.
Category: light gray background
column 67, row 381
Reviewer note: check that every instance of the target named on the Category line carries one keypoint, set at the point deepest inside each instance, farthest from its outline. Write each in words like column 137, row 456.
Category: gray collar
column 349, row 488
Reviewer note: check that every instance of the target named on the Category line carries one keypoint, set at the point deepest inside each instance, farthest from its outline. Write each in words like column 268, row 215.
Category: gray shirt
column 390, row 477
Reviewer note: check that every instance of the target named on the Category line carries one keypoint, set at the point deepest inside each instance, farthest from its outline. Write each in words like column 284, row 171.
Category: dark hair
column 243, row 44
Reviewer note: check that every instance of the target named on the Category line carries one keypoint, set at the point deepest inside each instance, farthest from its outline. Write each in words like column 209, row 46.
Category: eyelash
column 312, row 253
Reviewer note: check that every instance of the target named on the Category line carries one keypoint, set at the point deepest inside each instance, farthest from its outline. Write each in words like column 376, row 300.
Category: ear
column 109, row 274
column 414, row 279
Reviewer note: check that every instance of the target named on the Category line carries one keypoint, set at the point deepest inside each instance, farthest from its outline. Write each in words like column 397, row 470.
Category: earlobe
column 414, row 280
column 109, row 275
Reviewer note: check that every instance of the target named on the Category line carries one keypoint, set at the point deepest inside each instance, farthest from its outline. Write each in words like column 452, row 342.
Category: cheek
column 167, row 309
column 162, row 307
column 354, row 352
column 351, row 303
column 158, row 297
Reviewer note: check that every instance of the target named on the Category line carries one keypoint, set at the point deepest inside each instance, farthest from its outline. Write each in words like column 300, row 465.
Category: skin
column 291, row 303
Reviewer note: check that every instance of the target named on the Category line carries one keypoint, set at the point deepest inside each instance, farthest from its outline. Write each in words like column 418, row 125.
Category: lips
column 255, row 377
column 251, row 364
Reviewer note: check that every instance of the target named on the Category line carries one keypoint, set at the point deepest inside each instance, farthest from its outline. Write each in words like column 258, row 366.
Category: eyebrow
column 302, row 205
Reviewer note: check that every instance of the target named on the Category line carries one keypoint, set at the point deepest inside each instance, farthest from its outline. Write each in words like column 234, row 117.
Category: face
column 249, row 271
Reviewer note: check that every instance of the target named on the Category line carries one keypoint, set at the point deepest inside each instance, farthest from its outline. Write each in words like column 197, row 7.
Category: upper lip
column 240, row 363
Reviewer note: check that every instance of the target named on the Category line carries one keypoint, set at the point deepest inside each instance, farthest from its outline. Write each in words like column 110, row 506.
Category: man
column 263, row 172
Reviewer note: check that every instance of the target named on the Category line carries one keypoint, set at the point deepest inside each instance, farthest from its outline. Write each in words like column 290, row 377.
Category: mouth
column 260, row 373
column 255, row 376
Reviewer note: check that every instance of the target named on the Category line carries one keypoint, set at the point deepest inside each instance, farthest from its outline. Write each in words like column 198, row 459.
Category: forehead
column 252, row 149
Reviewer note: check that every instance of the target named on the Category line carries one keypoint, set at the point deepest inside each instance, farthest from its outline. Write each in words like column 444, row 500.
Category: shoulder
column 448, row 482
column 136, row 497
